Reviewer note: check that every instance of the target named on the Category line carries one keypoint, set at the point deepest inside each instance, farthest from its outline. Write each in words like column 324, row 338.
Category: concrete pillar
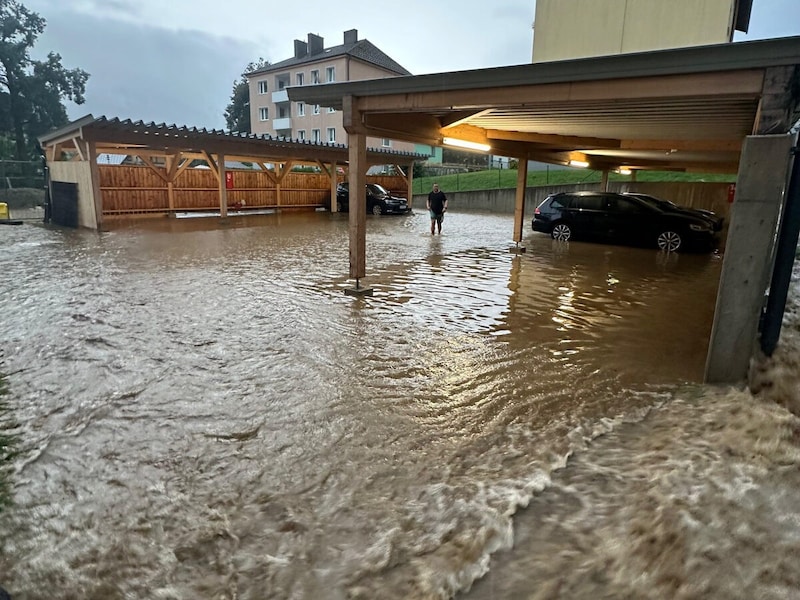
column 749, row 256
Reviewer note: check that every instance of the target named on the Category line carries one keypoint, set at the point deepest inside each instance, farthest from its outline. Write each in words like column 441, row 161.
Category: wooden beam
column 420, row 128
column 556, row 141
column 745, row 83
column 690, row 145
column 77, row 144
column 211, row 164
column 160, row 172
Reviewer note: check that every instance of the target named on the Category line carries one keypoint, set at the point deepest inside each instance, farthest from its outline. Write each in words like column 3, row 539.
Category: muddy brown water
column 203, row 413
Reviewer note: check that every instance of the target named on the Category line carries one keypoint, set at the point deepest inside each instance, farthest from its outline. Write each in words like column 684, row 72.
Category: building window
column 386, row 143
column 301, row 109
column 330, row 74
column 262, row 87
column 331, row 109
column 263, row 114
column 301, row 134
column 316, row 109
column 315, row 136
column 299, row 79
column 314, row 76
column 331, row 134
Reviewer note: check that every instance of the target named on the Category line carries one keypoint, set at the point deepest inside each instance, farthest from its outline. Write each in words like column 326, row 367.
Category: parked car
column 622, row 219
column 667, row 205
column 379, row 200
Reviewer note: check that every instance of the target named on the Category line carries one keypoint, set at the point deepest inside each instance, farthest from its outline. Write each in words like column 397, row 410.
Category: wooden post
column 223, row 189
column 358, row 205
column 334, row 181
column 604, row 180
column 96, row 192
column 519, row 204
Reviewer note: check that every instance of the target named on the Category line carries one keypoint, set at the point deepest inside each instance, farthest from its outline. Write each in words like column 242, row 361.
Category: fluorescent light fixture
column 466, row 144
column 578, row 163
column 624, row 171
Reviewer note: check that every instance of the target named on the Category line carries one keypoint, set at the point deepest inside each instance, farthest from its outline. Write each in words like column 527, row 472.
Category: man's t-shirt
column 436, row 200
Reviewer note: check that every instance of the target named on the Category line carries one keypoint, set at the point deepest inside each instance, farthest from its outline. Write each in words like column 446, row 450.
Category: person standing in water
column 437, row 204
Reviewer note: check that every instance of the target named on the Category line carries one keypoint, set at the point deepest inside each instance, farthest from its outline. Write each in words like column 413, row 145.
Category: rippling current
column 202, row 412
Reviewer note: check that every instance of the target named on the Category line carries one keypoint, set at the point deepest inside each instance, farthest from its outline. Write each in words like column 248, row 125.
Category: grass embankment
column 6, row 448
column 507, row 178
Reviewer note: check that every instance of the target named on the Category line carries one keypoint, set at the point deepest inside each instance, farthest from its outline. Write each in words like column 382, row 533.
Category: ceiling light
column 466, row 144
column 624, row 171
column 578, row 163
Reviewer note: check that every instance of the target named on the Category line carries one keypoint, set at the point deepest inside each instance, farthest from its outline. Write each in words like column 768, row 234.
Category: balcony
column 281, row 124
column 280, row 96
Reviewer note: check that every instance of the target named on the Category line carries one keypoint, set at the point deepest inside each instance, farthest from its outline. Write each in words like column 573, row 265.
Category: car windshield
column 656, row 202
column 377, row 190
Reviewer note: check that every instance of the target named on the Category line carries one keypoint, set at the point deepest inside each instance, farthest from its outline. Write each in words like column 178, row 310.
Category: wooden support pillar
column 519, row 204
column 409, row 177
column 332, row 180
column 96, row 192
column 223, row 189
column 747, row 266
column 358, row 207
column 604, row 180
column 357, row 154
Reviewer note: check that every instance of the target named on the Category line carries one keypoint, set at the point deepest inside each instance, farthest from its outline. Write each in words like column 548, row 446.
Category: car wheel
column 561, row 232
column 377, row 209
column 669, row 241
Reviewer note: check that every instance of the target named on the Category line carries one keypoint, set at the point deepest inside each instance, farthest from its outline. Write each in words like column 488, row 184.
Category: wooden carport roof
column 115, row 136
column 682, row 109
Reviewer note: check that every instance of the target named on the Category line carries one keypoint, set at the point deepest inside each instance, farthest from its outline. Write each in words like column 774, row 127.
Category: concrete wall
column 80, row 173
column 567, row 29
column 712, row 196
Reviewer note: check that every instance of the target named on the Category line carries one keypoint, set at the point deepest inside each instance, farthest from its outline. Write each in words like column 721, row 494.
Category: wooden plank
column 96, row 193
column 158, row 171
column 223, row 189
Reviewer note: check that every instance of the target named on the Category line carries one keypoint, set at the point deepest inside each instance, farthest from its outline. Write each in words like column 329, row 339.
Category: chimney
column 315, row 44
column 300, row 49
column 350, row 37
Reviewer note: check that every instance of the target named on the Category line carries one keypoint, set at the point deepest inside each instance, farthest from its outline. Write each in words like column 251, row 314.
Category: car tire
column 377, row 209
column 561, row 232
column 669, row 241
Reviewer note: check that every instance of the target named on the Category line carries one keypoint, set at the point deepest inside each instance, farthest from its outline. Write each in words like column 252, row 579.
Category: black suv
column 623, row 219
column 379, row 200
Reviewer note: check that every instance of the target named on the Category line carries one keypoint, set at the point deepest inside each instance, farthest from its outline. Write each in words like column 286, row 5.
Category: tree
column 31, row 91
column 237, row 113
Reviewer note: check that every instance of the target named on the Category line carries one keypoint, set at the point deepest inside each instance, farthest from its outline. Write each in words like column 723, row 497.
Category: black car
column 623, row 219
column 667, row 205
column 379, row 200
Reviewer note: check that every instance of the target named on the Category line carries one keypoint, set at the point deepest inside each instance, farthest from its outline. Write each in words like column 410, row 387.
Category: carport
column 723, row 108
column 168, row 152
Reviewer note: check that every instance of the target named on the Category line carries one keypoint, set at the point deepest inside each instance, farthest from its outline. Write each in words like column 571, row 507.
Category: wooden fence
column 138, row 189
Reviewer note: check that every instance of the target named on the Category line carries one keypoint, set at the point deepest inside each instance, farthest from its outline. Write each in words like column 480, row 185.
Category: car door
column 630, row 220
column 587, row 215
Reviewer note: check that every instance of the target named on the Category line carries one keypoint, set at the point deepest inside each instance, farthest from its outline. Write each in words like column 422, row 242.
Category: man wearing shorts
column 437, row 204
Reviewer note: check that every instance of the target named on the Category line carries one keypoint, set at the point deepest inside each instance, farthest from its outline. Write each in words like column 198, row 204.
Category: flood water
column 202, row 412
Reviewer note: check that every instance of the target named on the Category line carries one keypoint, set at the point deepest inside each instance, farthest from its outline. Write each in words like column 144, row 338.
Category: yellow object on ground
column 3, row 210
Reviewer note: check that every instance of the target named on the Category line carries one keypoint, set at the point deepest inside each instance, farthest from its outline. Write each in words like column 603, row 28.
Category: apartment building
column 566, row 29
column 272, row 113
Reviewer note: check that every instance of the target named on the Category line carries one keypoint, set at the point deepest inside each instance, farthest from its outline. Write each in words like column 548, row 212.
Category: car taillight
column 537, row 211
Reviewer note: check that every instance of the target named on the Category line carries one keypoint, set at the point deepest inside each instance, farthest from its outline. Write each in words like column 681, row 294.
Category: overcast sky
column 175, row 61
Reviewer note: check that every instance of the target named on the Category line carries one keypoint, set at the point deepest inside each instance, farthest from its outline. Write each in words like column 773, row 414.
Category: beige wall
column 565, row 29
column 79, row 172
column 346, row 69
